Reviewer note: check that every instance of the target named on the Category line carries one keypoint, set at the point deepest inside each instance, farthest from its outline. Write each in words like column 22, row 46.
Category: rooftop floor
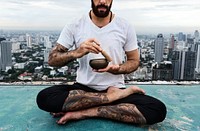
column 19, row 112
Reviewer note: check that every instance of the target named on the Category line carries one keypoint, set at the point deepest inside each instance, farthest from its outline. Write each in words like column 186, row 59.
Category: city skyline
column 147, row 16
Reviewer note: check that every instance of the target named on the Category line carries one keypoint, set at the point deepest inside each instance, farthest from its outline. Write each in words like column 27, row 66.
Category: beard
column 101, row 14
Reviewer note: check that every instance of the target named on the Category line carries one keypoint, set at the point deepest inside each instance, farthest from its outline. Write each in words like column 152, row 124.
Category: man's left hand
column 114, row 69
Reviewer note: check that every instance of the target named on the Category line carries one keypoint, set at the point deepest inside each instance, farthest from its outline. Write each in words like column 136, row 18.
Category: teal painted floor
column 19, row 112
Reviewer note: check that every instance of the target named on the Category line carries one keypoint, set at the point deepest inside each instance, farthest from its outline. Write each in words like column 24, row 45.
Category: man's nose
column 102, row 1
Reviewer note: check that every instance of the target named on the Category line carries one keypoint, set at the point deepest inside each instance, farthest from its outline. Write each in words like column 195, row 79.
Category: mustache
column 102, row 6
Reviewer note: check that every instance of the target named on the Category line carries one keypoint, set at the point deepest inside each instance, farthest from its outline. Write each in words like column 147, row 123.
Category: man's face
column 101, row 8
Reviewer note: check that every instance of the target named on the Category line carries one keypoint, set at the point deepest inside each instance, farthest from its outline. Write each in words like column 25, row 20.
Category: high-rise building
column 189, row 65
column 28, row 40
column 181, row 36
column 162, row 71
column 5, row 54
column 172, row 46
column 183, row 64
column 159, row 47
column 172, row 42
column 198, row 58
column 47, row 42
column 176, row 64
column 46, row 56
column 15, row 46
column 196, row 35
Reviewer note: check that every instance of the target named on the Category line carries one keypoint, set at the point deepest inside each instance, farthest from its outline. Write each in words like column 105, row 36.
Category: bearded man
column 99, row 92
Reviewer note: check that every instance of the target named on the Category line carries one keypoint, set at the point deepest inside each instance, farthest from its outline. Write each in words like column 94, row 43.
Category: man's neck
column 101, row 22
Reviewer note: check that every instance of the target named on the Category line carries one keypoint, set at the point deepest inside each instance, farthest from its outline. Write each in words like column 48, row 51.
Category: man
column 99, row 93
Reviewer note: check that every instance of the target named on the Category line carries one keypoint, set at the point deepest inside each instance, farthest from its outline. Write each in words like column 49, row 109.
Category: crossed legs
column 111, row 104
column 80, row 104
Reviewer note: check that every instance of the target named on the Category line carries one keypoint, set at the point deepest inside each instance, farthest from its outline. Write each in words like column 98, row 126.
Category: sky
column 147, row 16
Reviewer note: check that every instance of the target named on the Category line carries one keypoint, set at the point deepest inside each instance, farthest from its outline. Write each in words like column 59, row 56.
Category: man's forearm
column 128, row 67
column 61, row 59
column 131, row 64
column 60, row 56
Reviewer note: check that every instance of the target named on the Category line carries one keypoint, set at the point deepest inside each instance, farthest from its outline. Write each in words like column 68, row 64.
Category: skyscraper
column 183, row 63
column 46, row 56
column 189, row 65
column 159, row 46
column 196, row 35
column 47, row 42
column 28, row 40
column 176, row 64
column 198, row 58
column 172, row 42
column 5, row 54
column 181, row 36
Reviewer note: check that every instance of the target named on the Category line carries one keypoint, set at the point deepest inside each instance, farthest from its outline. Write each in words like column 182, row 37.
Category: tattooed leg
column 123, row 112
column 79, row 99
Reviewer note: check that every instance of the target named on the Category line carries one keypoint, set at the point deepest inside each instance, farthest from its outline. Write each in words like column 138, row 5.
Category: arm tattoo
column 131, row 63
column 79, row 99
column 122, row 112
column 60, row 56
column 128, row 67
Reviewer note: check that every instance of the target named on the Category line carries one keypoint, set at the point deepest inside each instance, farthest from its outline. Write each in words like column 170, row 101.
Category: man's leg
column 79, row 99
column 52, row 99
column 122, row 112
column 63, row 98
column 136, row 109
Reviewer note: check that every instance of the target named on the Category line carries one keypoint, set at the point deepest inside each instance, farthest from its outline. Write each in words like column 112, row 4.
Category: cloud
column 142, row 13
column 46, row 13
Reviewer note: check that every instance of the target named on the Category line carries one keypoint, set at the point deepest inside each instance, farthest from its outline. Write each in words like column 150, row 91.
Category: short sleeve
column 131, row 39
column 66, row 37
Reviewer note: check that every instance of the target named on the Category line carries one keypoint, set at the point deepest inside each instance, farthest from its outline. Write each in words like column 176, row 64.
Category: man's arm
column 60, row 56
column 132, row 63
column 129, row 66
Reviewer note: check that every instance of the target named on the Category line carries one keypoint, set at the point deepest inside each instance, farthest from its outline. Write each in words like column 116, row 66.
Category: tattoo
column 79, row 99
column 131, row 64
column 128, row 67
column 122, row 112
column 60, row 56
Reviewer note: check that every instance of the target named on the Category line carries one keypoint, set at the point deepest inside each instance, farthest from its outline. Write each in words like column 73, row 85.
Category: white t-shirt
column 115, row 38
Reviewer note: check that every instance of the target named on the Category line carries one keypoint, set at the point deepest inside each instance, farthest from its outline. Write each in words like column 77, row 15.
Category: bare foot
column 70, row 116
column 115, row 93
column 136, row 89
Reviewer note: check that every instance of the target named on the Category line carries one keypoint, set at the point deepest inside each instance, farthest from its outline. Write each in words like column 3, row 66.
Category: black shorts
column 52, row 98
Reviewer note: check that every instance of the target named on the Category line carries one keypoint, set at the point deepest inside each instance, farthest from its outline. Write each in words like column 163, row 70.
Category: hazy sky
column 148, row 16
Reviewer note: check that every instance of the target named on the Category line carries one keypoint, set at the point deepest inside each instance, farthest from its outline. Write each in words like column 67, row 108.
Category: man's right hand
column 88, row 46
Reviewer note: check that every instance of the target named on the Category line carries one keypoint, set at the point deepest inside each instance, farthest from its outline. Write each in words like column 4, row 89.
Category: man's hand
column 114, row 69
column 60, row 55
column 88, row 46
column 129, row 66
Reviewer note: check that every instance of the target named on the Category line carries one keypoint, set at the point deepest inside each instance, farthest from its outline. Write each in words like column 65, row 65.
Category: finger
column 99, row 70
column 93, row 40
column 96, row 46
column 95, row 43
column 102, row 70
column 92, row 49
